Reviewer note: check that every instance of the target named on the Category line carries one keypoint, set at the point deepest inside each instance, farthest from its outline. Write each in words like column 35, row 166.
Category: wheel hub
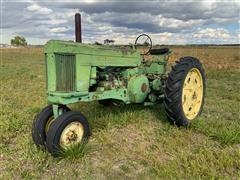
column 71, row 135
column 192, row 93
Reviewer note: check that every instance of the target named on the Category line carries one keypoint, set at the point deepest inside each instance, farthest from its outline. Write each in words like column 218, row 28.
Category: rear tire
column 69, row 129
column 185, row 91
column 39, row 127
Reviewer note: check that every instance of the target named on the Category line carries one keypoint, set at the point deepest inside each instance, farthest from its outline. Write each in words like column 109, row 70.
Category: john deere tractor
column 78, row 72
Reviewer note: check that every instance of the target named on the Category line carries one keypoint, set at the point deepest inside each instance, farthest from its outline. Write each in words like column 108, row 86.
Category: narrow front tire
column 41, row 124
column 68, row 130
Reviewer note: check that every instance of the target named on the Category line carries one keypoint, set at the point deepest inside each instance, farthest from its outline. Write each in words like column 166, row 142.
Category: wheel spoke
column 187, row 102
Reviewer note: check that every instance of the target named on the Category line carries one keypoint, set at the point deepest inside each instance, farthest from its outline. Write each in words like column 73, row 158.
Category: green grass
column 129, row 142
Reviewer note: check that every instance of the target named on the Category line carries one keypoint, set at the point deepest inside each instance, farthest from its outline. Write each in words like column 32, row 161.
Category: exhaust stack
column 78, row 28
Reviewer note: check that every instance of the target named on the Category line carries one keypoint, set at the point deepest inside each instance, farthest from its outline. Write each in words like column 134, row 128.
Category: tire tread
column 173, row 89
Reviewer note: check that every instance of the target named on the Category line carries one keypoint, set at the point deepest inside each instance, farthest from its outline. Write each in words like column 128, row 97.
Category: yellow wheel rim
column 71, row 135
column 49, row 122
column 192, row 93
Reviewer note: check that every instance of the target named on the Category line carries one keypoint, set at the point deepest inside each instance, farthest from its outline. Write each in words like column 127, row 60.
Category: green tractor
column 111, row 75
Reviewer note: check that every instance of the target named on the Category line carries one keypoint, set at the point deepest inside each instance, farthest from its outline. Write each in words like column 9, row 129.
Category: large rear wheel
column 185, row 91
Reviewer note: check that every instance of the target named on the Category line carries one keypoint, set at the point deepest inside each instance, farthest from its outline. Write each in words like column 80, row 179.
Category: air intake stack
column 78, row 28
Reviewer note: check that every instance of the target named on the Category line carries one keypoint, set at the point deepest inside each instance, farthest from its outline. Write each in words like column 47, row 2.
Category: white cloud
column 89, row 1
column 176, row 23
column 212, row 33
column 59, row 30
column 53, row 21
column 33, row 7
column 161, row 38
column 169, row 38
column 39, row 9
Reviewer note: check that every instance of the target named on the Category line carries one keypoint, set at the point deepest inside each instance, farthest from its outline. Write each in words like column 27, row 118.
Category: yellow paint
column 192, row 93
column 49, row 122
column 71, row 135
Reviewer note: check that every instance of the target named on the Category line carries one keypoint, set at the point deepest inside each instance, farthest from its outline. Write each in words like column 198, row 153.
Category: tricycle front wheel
column 41, row 124
column 68, row 130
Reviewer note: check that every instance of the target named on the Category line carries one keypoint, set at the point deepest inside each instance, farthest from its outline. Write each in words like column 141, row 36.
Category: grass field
column 132, row 142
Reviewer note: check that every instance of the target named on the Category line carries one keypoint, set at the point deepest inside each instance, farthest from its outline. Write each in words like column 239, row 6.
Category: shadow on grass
column 102, row 117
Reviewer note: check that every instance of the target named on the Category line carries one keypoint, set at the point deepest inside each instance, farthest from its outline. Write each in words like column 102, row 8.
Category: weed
column 75, row 152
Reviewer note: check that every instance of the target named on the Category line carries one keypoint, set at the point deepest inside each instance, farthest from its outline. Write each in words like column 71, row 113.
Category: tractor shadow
column 101, row 117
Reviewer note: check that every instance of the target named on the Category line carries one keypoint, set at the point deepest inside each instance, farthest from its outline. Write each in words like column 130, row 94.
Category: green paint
column 138, row 88
column 51, row 72
column 83, row 77
column 81, row 73
column 157, row 85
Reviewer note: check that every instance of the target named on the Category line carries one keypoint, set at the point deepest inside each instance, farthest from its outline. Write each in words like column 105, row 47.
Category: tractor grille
column 65, row 72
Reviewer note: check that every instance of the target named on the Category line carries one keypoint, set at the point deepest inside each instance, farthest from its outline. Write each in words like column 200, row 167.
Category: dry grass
column 222, row 57
column 132, row 142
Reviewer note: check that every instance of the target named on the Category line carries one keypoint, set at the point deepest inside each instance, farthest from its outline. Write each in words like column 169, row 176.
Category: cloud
column 146, row 22
column 212, row 33
column 216, row 36
column 59, row 30
column 39, row 9
column 167, row 22
column 183, row 10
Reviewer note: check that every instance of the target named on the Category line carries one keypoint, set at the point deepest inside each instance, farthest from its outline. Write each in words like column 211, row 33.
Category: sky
column 166, row 21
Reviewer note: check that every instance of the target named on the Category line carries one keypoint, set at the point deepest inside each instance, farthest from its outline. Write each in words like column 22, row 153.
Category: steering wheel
column 145, row 41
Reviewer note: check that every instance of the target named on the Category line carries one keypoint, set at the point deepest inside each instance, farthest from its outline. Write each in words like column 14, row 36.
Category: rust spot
column 144, row 87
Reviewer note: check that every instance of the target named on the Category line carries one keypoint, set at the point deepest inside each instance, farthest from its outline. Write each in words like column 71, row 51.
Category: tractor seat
column 159, row 51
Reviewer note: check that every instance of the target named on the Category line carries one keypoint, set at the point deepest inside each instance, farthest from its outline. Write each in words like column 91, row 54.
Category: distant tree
column 109, row 41
column 97, row 43
column 146, row 44
column 19, row 41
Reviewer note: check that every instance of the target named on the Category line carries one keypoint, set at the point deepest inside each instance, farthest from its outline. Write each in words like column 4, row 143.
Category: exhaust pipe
column 78, row 28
